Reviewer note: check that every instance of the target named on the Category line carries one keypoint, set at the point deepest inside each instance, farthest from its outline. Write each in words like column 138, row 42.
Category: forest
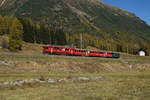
column 24, row 29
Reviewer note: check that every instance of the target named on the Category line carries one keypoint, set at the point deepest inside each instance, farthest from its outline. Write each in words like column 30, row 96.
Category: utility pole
column 49, row 37
column 34, row 37
column 127, row 48
column 81, row 41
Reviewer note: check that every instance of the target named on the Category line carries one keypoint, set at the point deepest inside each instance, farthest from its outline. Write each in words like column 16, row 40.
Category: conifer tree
column 15, row 36
column 37, row 33
column 1, row 20
column 28, row 28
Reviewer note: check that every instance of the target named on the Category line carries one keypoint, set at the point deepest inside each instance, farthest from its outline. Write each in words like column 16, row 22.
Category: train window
column 109, row 53
column 57, row 48
column 91, row 51
column 45, row 47
column 66, row 49
column 105, row 53
column 101, row 52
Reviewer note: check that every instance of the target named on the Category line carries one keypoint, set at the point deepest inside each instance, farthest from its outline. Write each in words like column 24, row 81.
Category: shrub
column 5, row 42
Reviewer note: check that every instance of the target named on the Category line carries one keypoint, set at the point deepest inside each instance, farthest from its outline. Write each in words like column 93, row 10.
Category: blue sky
column 139, row 7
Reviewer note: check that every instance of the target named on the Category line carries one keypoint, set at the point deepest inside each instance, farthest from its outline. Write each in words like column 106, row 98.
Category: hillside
column 101, row 21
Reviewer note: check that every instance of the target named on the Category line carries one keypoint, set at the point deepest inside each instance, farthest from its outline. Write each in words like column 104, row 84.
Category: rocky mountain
column 81, row 16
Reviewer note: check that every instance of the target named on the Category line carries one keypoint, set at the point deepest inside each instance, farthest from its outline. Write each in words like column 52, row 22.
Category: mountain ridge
column 101, row 21
column 4, row 4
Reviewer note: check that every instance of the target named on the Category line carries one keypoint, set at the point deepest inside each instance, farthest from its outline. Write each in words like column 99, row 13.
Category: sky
column 139, row 7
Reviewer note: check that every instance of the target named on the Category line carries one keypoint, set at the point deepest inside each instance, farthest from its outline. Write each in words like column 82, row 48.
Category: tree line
column 24, row 29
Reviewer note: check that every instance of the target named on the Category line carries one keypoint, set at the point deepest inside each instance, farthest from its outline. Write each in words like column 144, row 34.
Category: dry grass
column 30, row 48
column 120, row 86
column 57, row 64
column 121, row 81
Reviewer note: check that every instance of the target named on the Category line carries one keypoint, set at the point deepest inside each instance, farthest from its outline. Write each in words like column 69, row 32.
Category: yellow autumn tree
column 15, row 36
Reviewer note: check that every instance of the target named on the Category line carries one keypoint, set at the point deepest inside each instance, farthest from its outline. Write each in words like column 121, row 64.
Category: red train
column 58, row 50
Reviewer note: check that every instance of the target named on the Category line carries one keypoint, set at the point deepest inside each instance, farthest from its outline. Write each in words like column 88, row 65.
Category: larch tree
column 15, row 36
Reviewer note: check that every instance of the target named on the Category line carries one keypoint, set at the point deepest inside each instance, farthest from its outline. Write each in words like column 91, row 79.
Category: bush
column 5, row 42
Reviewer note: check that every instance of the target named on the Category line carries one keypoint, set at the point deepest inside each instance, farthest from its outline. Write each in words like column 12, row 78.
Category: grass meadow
column 119, row 81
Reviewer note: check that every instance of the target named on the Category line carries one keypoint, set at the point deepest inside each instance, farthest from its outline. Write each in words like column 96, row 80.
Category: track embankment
column 15, row 62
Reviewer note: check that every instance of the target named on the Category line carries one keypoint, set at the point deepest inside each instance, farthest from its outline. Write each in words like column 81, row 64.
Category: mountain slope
column 82, row 16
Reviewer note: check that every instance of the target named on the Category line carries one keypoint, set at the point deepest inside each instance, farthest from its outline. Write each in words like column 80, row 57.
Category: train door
column 87, row 53
column 51, row 50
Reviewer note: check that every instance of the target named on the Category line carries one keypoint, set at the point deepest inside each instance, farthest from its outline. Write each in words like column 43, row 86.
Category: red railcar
column 58, row 50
